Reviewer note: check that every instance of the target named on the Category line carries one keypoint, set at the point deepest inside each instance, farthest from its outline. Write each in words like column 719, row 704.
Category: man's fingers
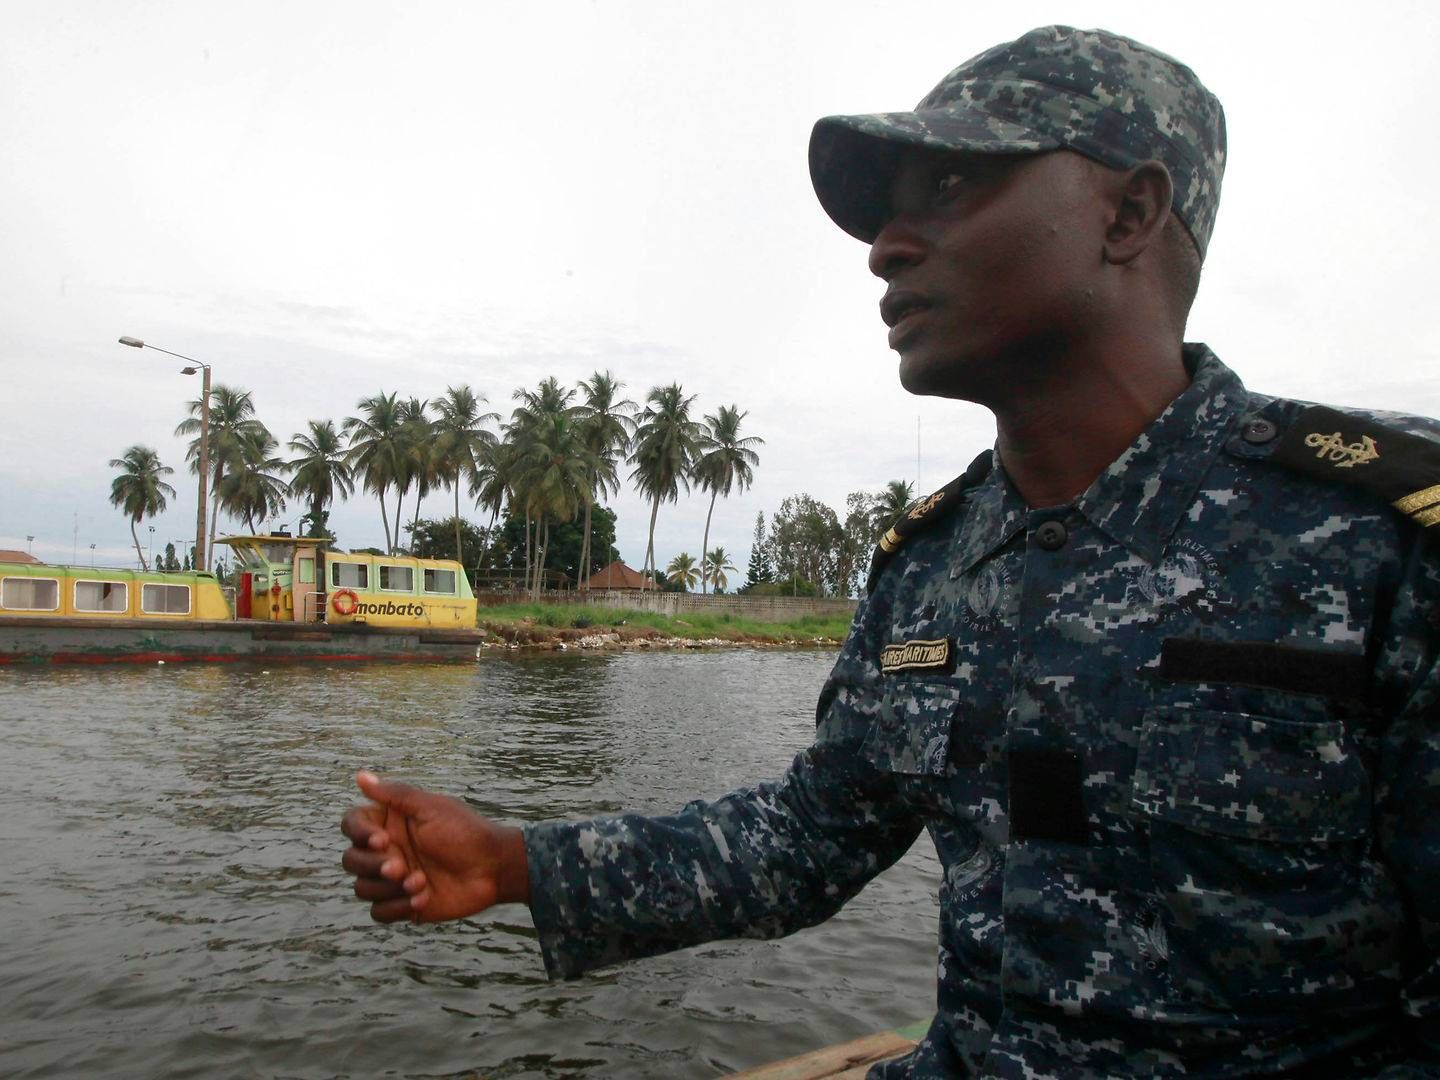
column 390, row 793
column 370, row 888
column 362, row 863
column 388, row 911
column 359, row 825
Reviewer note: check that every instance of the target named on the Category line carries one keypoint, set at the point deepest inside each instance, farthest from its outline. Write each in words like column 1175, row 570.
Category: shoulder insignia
column 1401, row 468
column 924, row 513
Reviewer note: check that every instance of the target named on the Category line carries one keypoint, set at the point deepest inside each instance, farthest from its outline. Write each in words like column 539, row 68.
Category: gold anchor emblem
column 924, row 506
column 1334, row 449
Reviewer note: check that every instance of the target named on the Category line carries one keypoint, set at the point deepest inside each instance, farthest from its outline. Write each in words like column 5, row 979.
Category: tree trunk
column 704, row 544
column 458, row 556
column 650, row 543
column 385, row 520
column 399, row 502
column 583, row 570
column 529, row 566
column 138, row 553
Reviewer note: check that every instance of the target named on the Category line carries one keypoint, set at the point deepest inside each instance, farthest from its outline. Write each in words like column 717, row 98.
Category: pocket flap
column 912, row 732
column 1251, row 776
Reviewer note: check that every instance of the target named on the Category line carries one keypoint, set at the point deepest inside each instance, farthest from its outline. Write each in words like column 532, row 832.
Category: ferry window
column 100, row 596
column 30, row 594
column 307, row 571
column 347, row 575
column 276, row 553
column 164, row 599
column 397, row 578
column 440, row 581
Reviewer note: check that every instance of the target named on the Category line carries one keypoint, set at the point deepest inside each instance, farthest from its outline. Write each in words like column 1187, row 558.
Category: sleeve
column 759, row 862
column 1408, row 794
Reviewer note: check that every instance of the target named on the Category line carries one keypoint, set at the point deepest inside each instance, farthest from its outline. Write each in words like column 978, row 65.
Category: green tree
column 140, row 490
column 252, row 488
column 887, row 507
column 434, row 539
column 715, row 568
column 760, row 570
column 232, row 423
column 461, row 442
column 806, row 538
column 725, row 460
column 551, row 468
column 606, row 426
column 377, row 450
column 683, row 571
column 419, row 465
column 663, row 453
column 170, row 562
column 562, row 554
column 319, row 473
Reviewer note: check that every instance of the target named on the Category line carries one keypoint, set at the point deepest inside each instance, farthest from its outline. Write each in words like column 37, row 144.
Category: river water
column 172, row 902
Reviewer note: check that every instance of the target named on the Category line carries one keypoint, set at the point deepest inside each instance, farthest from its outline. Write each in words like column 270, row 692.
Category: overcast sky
column 326, row 200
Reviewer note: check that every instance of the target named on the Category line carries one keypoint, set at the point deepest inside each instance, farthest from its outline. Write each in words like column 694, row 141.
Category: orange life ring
column 344, row 602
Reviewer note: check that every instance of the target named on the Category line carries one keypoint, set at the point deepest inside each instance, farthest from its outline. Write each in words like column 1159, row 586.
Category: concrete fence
column 758, row 608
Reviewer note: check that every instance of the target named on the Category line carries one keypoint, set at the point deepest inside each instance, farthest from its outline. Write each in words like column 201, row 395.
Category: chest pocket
column 1251, row 777
column 911, row 735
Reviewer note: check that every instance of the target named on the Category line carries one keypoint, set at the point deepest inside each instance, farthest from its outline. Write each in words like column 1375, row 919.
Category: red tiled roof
column 617, row 576
column 17, row 556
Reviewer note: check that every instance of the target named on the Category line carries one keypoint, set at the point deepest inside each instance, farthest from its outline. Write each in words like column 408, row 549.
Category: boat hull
column 129, row 641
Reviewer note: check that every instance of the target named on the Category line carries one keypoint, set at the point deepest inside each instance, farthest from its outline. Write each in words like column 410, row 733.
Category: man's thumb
column 399, row 796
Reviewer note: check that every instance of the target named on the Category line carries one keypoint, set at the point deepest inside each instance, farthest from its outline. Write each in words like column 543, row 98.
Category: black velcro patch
column 1264, row 664
column 1401, row 468
column 1046, row 800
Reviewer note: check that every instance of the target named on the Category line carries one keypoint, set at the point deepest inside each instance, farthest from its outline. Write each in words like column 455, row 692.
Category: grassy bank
column 538, row 623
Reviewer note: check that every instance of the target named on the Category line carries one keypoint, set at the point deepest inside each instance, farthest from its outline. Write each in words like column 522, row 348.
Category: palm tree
column 252, row 489
column 460, row 441
column 554, row 470
column 377, row 448
column 139, row 490
column 890, row 504
column 607, row 424
column 538, row 411
column 714, row 568
column 683, row 571
column 417, row 462
column 232, row 421
column 320, row 472
column 663, row 452
column 725, row 462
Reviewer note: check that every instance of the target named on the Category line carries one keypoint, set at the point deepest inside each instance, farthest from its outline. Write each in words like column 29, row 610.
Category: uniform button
column 1051, row 535
column 1258, row 431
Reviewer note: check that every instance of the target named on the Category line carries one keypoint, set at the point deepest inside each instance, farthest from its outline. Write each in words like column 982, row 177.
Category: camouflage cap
column 1099, row 94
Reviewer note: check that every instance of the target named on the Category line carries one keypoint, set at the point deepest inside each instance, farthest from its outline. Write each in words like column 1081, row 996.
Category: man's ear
column 1141, row 208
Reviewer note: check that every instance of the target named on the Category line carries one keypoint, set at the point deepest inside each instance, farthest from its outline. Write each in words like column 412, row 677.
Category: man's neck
column 1055, row 439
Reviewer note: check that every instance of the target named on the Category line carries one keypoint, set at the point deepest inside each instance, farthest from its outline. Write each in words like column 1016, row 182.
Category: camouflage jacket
column 1177, row 746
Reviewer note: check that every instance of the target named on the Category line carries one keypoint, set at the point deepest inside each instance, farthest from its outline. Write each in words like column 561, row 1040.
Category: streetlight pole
column 201, row 562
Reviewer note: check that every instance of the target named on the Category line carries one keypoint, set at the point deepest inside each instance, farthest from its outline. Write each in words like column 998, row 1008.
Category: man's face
column 991, row 263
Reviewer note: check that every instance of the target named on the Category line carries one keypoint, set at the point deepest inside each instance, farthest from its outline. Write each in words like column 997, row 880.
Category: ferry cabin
column 295, row 579
column 86, row 592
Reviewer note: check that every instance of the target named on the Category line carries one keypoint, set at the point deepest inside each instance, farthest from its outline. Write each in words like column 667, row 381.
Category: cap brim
column 853, row 158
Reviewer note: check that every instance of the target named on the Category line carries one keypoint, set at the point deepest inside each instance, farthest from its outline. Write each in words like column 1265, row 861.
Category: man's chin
column 928, row 378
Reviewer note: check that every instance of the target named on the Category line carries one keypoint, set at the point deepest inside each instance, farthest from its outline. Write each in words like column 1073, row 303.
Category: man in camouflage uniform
column 1158, row 674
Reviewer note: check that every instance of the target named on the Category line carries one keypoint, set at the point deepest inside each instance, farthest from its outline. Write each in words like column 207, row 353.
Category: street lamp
column 194, row 365
column 92, row 554
column 29, row 545
column 152, row 545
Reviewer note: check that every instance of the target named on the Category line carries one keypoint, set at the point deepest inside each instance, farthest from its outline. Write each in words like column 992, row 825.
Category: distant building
column 618, row 576
column 17, row 556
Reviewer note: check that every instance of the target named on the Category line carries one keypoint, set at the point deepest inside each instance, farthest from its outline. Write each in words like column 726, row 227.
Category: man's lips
column 899, row 308
column 895, row 306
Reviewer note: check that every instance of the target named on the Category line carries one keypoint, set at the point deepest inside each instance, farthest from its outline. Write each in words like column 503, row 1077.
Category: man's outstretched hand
column 422, row 857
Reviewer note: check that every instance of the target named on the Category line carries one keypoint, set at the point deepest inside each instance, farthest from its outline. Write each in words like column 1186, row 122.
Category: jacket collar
column 1139, row 499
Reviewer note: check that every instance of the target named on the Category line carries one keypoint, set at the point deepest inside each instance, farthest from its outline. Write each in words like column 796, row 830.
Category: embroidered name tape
column 917, row 656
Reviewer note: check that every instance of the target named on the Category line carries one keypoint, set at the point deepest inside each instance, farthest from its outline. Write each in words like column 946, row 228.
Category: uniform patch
column 934, row 655
column 1397, row 466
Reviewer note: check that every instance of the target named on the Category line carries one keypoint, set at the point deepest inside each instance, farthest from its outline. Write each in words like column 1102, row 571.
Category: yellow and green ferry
column 294, row 599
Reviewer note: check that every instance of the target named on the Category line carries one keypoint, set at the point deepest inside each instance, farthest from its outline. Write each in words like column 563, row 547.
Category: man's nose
column 898, row 244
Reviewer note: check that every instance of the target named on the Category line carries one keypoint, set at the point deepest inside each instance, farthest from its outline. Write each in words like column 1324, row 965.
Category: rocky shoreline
column 535, row 636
